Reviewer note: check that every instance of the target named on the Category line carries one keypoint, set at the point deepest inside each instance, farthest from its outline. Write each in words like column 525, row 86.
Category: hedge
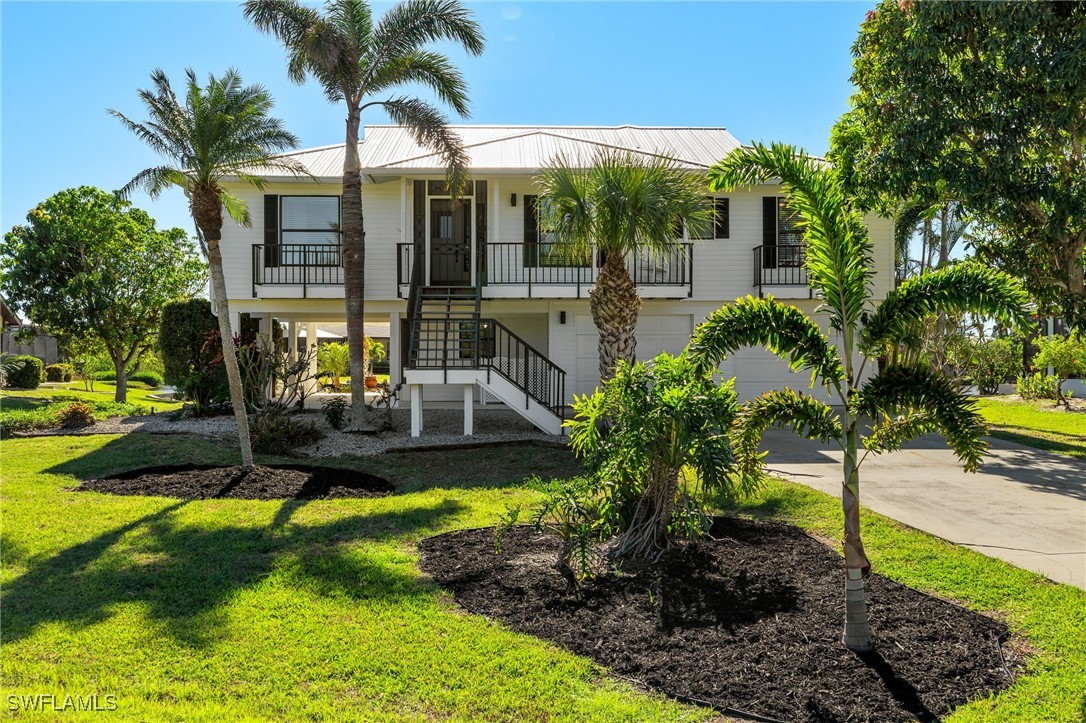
column 26, row 375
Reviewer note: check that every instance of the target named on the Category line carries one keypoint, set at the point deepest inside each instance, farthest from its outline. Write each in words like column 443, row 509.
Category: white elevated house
column 478, row 310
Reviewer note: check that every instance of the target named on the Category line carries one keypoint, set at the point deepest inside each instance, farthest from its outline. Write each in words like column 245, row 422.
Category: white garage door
column 655, row 334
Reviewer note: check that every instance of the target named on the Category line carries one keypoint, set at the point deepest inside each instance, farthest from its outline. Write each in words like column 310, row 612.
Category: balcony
column 779, row 271
column 520, row 270
column 302, row 270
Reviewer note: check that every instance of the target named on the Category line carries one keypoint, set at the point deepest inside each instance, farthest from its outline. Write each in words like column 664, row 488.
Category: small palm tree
column 354, row 59
column 900, row 401
column 619, row 202
column 335, row 358
column 220, row 131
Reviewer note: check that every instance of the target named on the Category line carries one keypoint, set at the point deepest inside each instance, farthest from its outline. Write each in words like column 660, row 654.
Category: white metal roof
column 386, row 150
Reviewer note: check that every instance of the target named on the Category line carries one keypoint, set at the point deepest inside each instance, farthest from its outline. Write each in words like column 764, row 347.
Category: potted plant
column 375, row 351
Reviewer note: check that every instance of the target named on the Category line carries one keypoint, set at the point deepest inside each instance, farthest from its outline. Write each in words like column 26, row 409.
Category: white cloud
column 511, row 12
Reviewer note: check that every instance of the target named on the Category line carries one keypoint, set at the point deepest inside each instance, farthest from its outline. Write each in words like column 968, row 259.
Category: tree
column 218, row 132
column 616, row 203
column 1066, row 355
column 900, row 401
column 88, row 263
column 983, row 103
column 355, row 59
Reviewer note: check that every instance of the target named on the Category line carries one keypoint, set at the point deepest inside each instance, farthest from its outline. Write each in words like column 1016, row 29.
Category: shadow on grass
column 183, row 573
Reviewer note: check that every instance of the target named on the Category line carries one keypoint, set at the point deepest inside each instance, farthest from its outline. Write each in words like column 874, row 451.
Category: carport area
column 1024, row 505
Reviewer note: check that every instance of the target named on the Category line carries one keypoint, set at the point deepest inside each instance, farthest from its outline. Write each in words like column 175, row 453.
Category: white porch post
column 394, row 342
column 416, row 410
column 292, row 340
column 311, row 343
column 469, row 408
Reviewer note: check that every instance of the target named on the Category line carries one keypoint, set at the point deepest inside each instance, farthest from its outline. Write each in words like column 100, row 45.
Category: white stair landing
column 490, row 380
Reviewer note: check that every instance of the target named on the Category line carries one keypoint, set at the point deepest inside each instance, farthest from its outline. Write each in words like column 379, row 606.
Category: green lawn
column 287, row 610
column 22, row 409
column 1038, row 424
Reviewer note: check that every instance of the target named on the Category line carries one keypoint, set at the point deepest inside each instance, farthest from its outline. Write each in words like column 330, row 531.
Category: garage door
column 655, row 334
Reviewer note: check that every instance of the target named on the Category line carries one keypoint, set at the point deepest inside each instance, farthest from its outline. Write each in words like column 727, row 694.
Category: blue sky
column 766, row 71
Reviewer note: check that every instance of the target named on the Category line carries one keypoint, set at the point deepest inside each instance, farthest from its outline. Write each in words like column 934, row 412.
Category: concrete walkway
column 1024, row 505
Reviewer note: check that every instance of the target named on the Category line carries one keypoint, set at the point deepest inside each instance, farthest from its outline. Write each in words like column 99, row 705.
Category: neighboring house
column 24, row 338
column 478, row 307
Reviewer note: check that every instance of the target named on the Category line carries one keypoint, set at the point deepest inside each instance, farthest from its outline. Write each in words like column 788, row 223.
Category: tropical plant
column 87, row 263
column 899, row 401
column 618, row 202
column 271, row 377
column 1065, row 356
column 334, row 358
column 75, row 416
column 375, row 353
column 334, row 410
column 988, row 362
column 220, row 131
column 355, row 59
column 1038, row 385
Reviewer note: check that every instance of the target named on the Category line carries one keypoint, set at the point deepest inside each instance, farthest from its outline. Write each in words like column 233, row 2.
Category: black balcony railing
column 780, row 266
column 301, row 265
column 523, row 264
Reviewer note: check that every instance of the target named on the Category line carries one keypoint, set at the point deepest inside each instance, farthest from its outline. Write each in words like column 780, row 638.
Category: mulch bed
column 263, row 482
column 749, row 621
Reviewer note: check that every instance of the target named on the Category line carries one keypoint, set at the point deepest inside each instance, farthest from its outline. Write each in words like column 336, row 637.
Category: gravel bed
column 441, row 427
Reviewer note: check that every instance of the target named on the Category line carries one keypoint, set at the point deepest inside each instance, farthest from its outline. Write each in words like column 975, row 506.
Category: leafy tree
column 218, row 132
column 335, row 358
column 88, row 263
column 636, row 436
column 1066, row 355
column 983, row 103
column 619, row 202
column 900, row 401
column 355, row 59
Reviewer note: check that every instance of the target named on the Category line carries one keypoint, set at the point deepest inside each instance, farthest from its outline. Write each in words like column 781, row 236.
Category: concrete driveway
column 1024, row 505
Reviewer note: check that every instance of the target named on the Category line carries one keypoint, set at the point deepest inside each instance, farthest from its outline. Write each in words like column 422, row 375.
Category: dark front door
column 450, row 243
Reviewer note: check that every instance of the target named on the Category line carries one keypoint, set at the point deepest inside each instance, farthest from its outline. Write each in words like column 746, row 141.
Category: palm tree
column 355, row 59
column 619, row 202
column 898, row 402
column 221, row 131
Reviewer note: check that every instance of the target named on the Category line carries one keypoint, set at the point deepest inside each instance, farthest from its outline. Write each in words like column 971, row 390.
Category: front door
column 450, row 243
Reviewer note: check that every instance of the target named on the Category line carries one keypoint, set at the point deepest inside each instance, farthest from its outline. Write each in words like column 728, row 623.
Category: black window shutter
column 480, row 230
column 418, row 231
column 531, row 231
column 723, row 218
column 769, row 232
column 271, row 230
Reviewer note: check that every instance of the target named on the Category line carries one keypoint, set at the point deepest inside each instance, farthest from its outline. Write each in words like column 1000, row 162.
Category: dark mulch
column 750, row 621
column 263, row 482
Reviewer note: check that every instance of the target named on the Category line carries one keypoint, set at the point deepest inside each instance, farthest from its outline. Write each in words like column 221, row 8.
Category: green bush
column 335, row 411
column 150, row 378
column 26, row 372
column 75, row 416
column 993, row 362
column 1038, row 386
column 185, row 327
column 275, row 431
column 58, row 373
column 1066, row 355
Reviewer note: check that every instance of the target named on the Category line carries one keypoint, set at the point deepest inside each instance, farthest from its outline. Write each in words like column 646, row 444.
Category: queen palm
column 355, row 59
column 221, row 131
column 619, row 202
column 892, row 405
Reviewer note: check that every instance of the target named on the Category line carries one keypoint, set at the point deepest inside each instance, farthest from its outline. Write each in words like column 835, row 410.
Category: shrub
column 1066, row 355
column 1038, row 386
column 334, row 358
column 106, row 375
column 25, row 372
column 75, row 416
column 335, row 411
column 275, row 431
column 58, row 373
column 991, row 362
column 150, row 378
column 185, row 327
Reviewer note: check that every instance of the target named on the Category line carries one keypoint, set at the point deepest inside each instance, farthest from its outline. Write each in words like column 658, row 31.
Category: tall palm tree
column 897, row 403
column 619, row 202
column 355, row 59
column 218, row 132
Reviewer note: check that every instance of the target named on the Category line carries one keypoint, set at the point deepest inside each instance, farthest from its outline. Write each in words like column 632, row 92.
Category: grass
column 25, row 409
column 1037, row 424
column 287, row 610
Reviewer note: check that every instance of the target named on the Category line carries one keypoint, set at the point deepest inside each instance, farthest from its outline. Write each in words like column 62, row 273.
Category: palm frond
column 907, row 401
column 411, row 24
column 431, row 130
column 433, row 70
column 782, row 329
column 958, row 289
column 838, row 250
column 153, row 181
column 805, row 416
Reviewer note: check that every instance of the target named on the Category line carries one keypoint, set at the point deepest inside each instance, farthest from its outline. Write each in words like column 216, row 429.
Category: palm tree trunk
column 353, row 232
column 857, row 635
column 615, row 305
column 207, row 208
